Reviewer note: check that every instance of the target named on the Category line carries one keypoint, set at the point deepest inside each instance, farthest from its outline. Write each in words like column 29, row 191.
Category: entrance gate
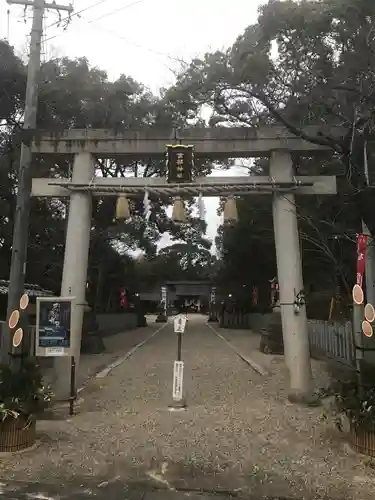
column 282, row 184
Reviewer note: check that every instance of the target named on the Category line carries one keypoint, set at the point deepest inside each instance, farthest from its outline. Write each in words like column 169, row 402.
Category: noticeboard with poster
column 54, row 326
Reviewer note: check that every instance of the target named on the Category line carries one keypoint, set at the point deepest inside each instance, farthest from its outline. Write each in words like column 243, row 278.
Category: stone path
column 115, row 491
column 239, row 433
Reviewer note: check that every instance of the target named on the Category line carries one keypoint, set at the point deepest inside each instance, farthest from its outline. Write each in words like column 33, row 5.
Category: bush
column 22, row 391
column 355, row 401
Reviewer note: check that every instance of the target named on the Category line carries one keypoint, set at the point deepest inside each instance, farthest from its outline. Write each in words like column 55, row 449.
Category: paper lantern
column 122, row 208
column 178, row 213
column 230, row 210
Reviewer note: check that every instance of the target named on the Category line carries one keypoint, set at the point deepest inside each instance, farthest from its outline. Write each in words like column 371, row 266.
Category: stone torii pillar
column 75, row 264
column 289, row 271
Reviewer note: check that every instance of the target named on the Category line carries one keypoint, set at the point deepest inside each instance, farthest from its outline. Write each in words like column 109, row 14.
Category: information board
column 54, row 326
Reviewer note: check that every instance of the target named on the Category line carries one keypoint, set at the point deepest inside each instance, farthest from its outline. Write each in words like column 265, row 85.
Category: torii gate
column 275, row 142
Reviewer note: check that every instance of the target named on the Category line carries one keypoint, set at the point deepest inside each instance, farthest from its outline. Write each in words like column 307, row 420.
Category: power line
column 121, row 37
column 135, row 44
column 68, row 18
column 132, row 4
column 126, row 40
column 78, row 14
column 117, row 35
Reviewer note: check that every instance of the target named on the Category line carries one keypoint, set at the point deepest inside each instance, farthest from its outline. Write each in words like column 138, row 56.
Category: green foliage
column 22, row 392
column 358, row 405
column 327, row 232
column 74, row 94
column 13, row 81
column 177, row 262
column 247, row 248
column 300, row 64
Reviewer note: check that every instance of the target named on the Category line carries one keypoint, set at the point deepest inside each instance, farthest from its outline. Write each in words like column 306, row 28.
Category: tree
column 74, row 94
column 177, row 262
column 304, row 63
column 247, row 249
column 327, row 233
column 12, row 88
column 195, row 260
column 90, row 100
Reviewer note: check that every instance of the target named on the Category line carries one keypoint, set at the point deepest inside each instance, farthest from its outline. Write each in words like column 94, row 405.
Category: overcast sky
column 145, row 39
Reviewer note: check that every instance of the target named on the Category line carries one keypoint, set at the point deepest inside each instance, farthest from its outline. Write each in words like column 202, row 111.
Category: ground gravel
column 239, row 432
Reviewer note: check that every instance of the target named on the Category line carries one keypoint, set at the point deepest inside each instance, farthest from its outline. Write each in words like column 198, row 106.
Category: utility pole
column 22, row 214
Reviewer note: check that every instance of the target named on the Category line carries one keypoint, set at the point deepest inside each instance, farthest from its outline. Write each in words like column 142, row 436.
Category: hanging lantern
column 230, row 210
column 122, row 208
column 178, row 213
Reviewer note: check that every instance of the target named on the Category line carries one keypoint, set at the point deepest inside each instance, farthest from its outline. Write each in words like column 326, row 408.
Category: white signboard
column 178, row 377
column 164, row 294
column 55, row 351
column 179, row 324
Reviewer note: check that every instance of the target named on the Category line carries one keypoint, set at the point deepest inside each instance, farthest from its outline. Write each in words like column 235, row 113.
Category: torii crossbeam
column 275, row 142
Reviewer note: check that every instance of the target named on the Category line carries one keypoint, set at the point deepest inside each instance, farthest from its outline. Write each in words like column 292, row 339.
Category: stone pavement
column 239, row 433
column 115, row 491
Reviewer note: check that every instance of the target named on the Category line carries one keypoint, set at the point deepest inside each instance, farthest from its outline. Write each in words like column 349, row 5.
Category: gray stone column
column 289, row 270
column 75, row 264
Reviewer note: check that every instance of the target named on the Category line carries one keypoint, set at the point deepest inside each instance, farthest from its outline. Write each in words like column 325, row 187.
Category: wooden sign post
column 178, row 402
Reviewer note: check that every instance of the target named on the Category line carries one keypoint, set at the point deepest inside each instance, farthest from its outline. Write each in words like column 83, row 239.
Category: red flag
column 361, row 257
column 124, row 300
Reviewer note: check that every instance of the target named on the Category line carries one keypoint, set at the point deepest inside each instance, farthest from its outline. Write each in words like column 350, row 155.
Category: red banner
column 124, row 300
column 361, row 257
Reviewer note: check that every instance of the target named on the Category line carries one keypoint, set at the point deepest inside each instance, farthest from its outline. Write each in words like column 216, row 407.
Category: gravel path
column 116, row 346
column 239, row 432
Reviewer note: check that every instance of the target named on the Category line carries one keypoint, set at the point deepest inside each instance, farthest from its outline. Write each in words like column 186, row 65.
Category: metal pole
column 22, row 214
column 73, row 394
column 179, row 346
